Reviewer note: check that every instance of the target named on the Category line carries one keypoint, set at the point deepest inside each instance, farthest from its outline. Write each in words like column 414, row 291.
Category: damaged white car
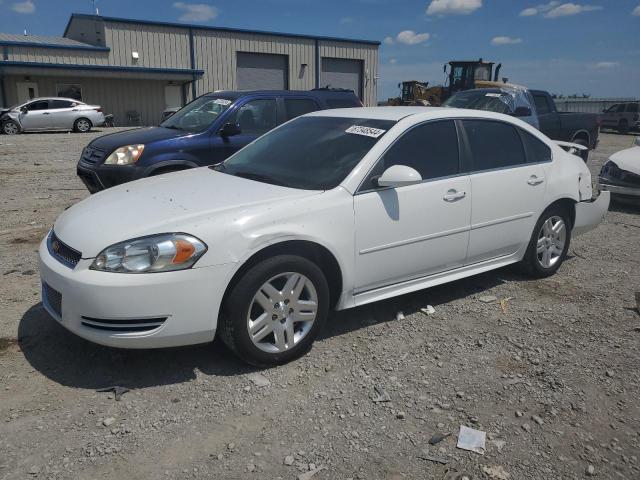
column 331, row 210
column 621, row 174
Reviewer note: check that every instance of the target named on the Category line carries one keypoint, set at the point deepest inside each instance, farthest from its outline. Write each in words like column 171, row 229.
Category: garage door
column 342, row 73
column 262, row 71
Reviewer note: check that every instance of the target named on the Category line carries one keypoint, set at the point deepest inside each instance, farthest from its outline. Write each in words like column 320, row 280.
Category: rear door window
column 294, row 107
column 494, row 144
column 61, row 104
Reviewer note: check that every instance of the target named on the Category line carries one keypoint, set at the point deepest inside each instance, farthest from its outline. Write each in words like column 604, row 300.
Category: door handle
column 453, row 195
column 533, row 180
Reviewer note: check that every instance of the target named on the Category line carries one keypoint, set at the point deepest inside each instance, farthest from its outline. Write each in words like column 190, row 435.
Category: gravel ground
column 549, row 370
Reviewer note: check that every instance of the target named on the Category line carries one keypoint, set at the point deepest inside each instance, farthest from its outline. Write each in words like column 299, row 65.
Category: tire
column 10, row 127
column 583, row 154
column 82, row 125
column 545, row 260
column 273, row 344
column 623, row 127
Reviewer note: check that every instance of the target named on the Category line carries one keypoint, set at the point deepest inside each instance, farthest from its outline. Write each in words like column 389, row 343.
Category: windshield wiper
column 258, row 177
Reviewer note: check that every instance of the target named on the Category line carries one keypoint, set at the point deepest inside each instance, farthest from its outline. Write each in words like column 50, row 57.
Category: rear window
column 494, row 144
column 341, row 103
column 294, row 107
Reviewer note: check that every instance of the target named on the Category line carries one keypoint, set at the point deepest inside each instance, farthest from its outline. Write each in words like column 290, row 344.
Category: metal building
column 136, row 68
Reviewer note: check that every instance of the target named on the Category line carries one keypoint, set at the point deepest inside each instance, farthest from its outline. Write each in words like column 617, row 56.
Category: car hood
column 137, row 135
column 628, row 159
column 188, row 201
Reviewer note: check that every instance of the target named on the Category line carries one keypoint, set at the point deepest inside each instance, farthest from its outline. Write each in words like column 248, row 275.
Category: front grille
column 62, row 252
column 92, row 155
column 123, row 326
column 52, row 298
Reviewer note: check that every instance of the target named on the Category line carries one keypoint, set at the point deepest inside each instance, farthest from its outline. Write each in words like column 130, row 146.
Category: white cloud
column 529, row 12
column 505, row 41
column 606, row 64
column 24, row 7
column 196, row 12
column 409, row 37
column 567, row 9
column 388, row 41
column 453, row 7
column 636, row 11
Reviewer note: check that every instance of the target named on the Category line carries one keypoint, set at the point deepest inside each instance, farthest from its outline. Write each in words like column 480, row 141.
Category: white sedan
column 332, row 210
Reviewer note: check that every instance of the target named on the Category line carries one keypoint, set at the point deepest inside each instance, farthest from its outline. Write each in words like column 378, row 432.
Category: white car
column 55, row 113
column 332, row 210
column 621, row 174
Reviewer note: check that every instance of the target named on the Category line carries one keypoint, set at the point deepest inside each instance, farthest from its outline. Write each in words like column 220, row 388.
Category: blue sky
column 588, row 46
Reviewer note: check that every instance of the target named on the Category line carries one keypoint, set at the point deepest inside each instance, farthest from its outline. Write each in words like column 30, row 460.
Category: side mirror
column 398, row 176
column 230, row 129
column 522, row 112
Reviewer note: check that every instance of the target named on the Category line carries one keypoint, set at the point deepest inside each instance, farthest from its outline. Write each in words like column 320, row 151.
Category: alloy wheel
column 551, row 241
column 10, row 128
column 83, row 126
column 282, row 312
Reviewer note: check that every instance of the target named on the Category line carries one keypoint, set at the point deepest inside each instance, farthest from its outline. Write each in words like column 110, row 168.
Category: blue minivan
column 204, row 132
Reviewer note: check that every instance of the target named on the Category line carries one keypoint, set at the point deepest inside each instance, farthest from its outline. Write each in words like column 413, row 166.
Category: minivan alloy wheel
column 551, row 241
column 282, row 312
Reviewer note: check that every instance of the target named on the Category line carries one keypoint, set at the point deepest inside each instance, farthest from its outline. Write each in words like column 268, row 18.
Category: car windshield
column 197, row 115
column 480, row 100
column 310, row 153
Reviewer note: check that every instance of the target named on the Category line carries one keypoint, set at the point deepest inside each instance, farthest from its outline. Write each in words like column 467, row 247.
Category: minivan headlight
column 157, row 253
column 127, row 155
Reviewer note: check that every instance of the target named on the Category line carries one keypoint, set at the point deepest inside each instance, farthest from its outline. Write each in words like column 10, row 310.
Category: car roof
column 418, row 113
column 318, row 92
column 53, row 98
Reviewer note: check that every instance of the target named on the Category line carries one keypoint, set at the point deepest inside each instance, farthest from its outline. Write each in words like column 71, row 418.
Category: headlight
column 610, row 169
column 127, row 155
column 157, row 253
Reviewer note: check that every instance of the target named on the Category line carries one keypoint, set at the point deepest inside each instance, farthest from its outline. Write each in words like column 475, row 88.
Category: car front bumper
column 133, row 310
column 590, row 213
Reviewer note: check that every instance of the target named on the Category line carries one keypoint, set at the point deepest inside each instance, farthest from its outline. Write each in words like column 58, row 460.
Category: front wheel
column 10, row 127
column 549, row 243
column 82, row 125
column 274, row 312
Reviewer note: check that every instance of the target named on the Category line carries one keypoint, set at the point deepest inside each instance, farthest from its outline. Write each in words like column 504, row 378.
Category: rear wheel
column 82, row 125
column 275, row 310
column 10, row 127
column 549, row 243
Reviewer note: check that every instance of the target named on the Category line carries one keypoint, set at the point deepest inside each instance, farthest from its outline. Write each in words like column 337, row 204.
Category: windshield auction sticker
column 366, row 131
column 222, row 101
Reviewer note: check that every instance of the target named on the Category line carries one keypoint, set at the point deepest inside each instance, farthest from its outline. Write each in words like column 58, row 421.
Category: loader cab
column 463, row 74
